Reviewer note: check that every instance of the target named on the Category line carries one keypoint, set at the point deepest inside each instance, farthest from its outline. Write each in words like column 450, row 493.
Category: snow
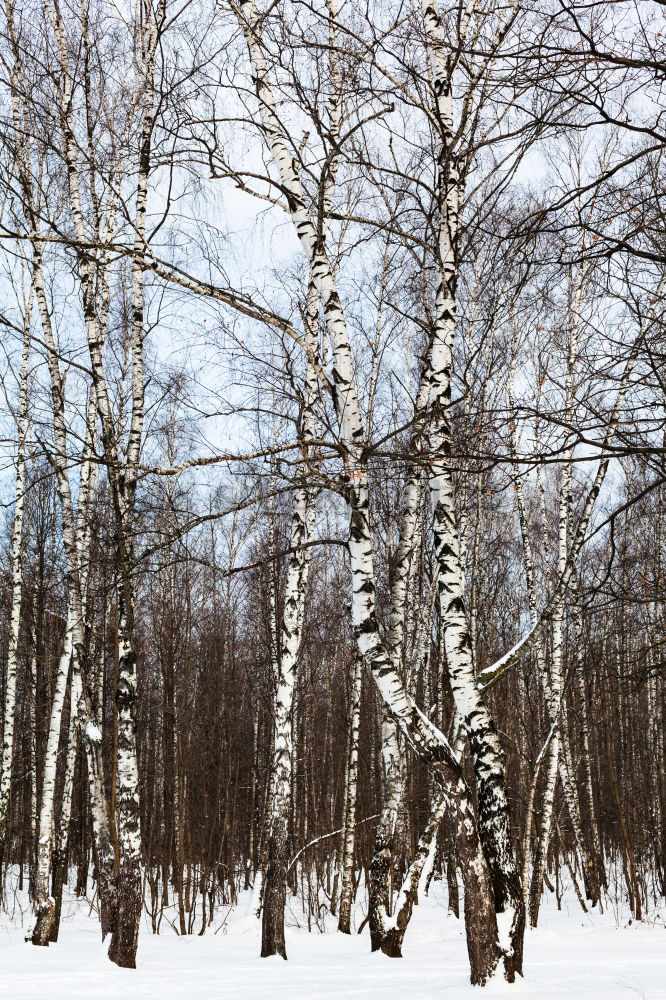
column 571, row 956
column 93, row 733
column 504, row 925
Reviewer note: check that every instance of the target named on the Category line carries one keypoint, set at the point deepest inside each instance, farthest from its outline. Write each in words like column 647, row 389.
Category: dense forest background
column 333, row 437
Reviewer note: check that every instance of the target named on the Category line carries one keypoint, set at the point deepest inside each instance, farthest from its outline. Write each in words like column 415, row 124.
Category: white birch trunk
column 597, row 858
column 553, row 685
column 123, row 484
column 59, row 855
column 43, row 903
column 426, row 739
column 494, row 818
column 282, row 767
column 351, row 788
column 33, row 765
column 392, row 755
column 9, row 711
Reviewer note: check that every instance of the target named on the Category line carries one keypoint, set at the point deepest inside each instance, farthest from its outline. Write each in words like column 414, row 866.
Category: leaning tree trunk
column 429, row 743
column 487, row 755
column 426, row 739
column 545, row 824
column 417, row 872
column 572, row 799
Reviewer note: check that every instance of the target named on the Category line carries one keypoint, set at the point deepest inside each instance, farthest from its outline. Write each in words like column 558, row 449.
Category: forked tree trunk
column 487, row 756
column 94, row 293
column 426, row 739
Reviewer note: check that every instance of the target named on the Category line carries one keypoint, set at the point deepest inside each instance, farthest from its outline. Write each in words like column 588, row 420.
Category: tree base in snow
column 41, row 934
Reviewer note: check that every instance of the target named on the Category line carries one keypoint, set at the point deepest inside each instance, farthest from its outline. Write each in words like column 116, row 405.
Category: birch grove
column 334, row 420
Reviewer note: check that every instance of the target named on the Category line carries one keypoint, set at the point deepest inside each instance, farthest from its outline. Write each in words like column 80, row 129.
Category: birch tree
column 17, row 547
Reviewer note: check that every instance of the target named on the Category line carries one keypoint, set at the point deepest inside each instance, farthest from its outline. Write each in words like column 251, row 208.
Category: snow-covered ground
column 572, row 956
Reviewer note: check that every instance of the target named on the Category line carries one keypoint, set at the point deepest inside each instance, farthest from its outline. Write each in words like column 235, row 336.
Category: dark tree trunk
column 41, row 934
column 480, row 917
column 452, row 884
column 379, row 890
column 125, row 933
column 58, row 870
